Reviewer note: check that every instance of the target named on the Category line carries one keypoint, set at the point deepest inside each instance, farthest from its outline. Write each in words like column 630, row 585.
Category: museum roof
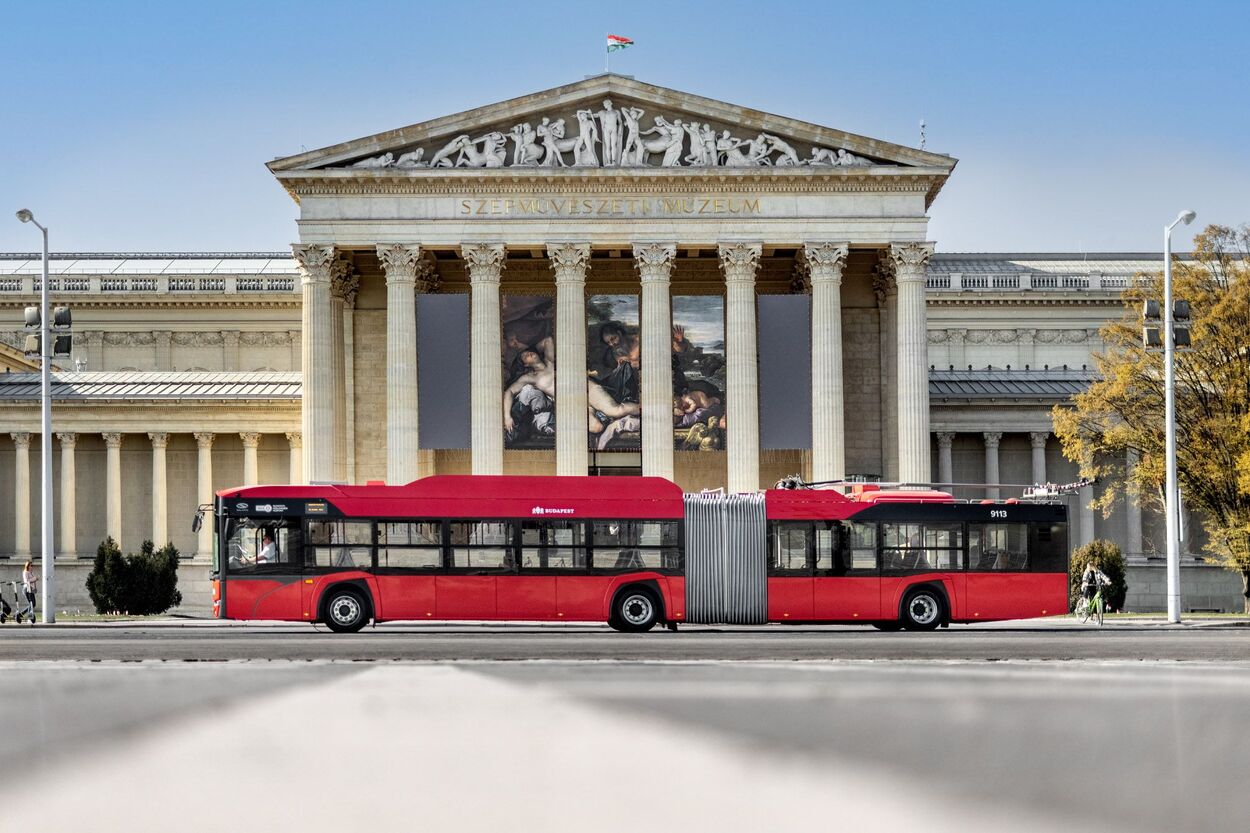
column 282, row 263
column 159, row 386
column 1001, row 383
column 149, row 263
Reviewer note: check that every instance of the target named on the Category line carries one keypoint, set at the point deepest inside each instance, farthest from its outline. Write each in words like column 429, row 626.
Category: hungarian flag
column 616, row 42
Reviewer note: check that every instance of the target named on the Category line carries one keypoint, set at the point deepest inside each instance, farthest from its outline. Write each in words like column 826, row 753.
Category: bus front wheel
column 346, row 611
column 922, row 609
column 635, row 611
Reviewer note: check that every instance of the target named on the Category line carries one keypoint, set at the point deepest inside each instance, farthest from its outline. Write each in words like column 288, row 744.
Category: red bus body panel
column 973, row 596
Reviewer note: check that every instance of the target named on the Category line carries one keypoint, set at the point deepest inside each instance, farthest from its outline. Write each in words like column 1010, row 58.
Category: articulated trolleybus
column 633, row 552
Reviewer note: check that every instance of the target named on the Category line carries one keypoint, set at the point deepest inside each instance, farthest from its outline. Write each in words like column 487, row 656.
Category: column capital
column 654, row 261
column 910, row 261
column 314, row 261
column 21, row 438
column 883, row 284
column 569, row 261
column 344, row 282
column 739, row 260
column 945, row 438
column 204, row 439
column 399, row 260
column 160, row 439
column 825, row 261
column 295, row 438
column 992, row 438
column 251, row 439
column 68, row 439
column 1038, row 438
column 485, row 261
column 112, row 439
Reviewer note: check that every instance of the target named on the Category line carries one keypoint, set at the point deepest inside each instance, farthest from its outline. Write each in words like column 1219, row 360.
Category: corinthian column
column 910, row 262
column 315, row 263
column 1037, row 441
column 251, row 467
column 887, row 309
column 343, row 285
column 113, row 486
column 21, row 491
column 204, row 492
column 569, row 261
column 992, row 477
column 69, row 532
column 160, row 507
column 946, row 469
column 485, row 263
column 655, row 265
column 738, row 261
column 400, row 263
column 825, row 262
column 295, row 466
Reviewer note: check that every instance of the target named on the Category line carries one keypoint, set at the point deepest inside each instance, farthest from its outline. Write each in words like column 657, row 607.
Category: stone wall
column 1203, row 587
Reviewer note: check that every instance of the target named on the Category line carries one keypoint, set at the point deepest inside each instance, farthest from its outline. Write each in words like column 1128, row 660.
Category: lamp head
column 24, row 215
column 1187, row 216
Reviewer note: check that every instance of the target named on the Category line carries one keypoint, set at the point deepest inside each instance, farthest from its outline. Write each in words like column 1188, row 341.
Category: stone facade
column 760, row 205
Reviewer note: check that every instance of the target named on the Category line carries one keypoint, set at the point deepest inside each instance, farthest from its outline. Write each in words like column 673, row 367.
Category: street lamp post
column 45, row 443
column 1172, row 492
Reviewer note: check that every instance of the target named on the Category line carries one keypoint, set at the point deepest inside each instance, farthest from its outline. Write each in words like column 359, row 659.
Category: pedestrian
column 29, row 583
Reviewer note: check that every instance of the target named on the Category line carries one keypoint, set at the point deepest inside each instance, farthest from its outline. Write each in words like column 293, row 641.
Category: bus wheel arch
column 924, row 606
column 637, row 606
column 346, row 606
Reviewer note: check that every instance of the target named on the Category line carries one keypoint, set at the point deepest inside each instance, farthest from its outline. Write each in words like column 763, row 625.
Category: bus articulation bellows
column 634, row 552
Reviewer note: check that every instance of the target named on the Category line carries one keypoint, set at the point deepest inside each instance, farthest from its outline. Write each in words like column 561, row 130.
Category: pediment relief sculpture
column 614, row 137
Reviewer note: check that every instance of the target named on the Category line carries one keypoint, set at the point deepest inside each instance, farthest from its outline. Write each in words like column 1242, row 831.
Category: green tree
column 1124, row 408
column 1110, row 560
column 141, row 583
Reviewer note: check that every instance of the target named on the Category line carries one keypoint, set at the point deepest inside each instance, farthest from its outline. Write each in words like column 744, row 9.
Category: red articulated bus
column 633, row 552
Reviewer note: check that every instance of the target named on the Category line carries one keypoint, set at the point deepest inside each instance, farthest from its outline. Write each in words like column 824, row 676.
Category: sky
column 1078, row 126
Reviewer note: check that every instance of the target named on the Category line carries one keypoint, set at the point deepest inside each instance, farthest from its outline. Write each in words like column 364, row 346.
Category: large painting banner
column 613, row 362
column 698, row 373
column 529, row 371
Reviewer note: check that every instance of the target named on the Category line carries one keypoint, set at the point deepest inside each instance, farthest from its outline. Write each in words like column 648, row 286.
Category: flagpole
column 607, row 55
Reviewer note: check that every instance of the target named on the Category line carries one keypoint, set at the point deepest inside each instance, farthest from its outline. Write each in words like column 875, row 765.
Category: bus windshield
column 262, row 545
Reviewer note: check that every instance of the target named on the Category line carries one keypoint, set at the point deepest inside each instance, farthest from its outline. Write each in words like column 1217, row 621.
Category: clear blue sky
column 1079, row 126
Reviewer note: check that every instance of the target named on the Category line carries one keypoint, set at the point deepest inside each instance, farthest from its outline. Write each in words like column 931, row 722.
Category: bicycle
column 1092, row 608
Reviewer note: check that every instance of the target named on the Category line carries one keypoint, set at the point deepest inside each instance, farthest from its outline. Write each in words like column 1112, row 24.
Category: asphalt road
column 1037, row 640
column 606, row 746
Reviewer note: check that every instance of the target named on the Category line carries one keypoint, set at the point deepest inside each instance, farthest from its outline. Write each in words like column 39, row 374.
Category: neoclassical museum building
column 608, row 277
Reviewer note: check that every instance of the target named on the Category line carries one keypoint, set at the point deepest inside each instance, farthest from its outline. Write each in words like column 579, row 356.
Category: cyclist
column 1093, row 580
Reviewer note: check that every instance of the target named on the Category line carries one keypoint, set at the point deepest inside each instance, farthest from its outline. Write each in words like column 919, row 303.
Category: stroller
column 25, row 606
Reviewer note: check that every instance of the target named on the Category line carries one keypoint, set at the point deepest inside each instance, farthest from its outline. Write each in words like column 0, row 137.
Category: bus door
column 410, row 559
column 847, row 583
column 790, row 556
column 479, row 552
column 997, row 578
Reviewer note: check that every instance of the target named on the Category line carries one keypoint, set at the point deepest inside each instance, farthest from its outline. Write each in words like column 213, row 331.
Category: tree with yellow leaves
column 1123, row 409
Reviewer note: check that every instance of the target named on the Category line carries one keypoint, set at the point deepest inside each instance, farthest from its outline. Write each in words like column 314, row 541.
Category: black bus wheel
column 922, row 609
column 346, row 611
column 635, row 611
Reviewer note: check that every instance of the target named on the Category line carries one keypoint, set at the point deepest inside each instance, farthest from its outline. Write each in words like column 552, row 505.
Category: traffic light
column 1152, row 336
column 59, row 325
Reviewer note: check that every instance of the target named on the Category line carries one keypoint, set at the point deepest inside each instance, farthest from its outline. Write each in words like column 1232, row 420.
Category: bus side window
column 339, row 545
column 862, row 540
column 998, row 547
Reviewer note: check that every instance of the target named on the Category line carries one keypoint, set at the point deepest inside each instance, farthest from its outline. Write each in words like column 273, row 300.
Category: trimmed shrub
column 1110, row 560
column 141, row 583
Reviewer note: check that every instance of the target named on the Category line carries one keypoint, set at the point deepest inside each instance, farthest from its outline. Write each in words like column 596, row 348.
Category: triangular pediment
column 571, row 127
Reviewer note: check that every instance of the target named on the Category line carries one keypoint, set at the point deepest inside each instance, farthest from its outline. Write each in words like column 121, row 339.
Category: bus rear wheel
column 635, row 611
column 922, row 610
column 346, row 611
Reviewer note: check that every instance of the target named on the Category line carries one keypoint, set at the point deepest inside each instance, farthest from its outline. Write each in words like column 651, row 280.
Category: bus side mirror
column 197, row 522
